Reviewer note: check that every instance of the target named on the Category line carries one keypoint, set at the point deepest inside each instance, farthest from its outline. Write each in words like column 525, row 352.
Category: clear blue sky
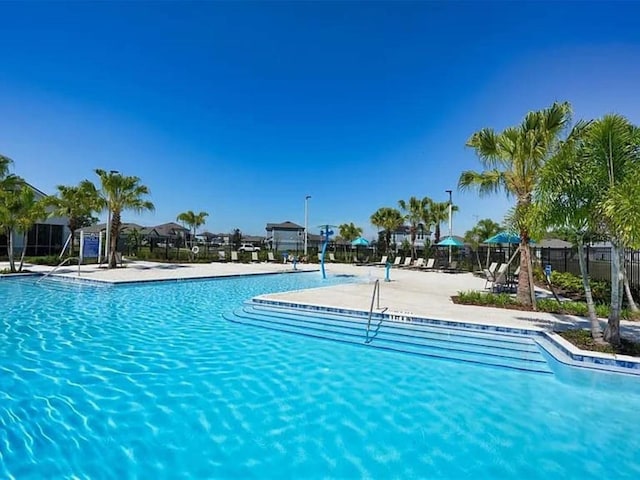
column 241, row 109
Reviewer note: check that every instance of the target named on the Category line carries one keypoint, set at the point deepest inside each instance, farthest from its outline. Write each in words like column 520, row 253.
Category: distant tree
column 236, row 239
column 118, row 193
column 484, row 229
column 193, row 221
column 415, row 211
column 349, row 232
column 439, row 214
column 19, row 211
column 388, row 219
column 77, row 203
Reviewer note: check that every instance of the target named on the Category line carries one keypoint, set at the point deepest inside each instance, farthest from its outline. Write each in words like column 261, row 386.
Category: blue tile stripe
column 584, row 357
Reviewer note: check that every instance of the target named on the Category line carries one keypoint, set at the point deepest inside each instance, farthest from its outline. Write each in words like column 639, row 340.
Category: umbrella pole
column 488, row 250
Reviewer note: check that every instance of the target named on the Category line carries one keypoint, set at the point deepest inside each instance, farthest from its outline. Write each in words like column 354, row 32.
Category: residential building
column 289, row 236
column 398, row 236
column 46, row 237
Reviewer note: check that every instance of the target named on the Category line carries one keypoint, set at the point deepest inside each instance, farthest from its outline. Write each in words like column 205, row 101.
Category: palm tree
column 512, row 160
column 439, row 215
column 9, row 187
column 414, row 211
column 389, row 219
column 119, row 193
column 566, row 198
column 349, row 232
column 483, row 230
column 28, row 212
column 193, row 221
column 612, row 153
column 77, row 203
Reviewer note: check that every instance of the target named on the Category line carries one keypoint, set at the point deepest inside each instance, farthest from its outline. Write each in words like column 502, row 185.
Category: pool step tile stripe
column 435, row 332
column 523, row 354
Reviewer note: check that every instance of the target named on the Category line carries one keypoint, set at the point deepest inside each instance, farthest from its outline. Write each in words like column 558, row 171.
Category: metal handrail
column 376, row 290
column 57, row 267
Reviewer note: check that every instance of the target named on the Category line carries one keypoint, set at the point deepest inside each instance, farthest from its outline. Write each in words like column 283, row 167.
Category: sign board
column 90, row 246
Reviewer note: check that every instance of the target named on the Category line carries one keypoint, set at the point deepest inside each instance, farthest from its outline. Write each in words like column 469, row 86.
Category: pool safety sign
column 90, row 246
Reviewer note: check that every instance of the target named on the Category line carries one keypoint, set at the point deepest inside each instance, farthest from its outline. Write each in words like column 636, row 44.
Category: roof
column 284, row 226
column 554, row 243
column 170, row 229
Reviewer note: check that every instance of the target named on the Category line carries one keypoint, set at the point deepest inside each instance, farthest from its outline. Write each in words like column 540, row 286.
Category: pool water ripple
column 151, row 382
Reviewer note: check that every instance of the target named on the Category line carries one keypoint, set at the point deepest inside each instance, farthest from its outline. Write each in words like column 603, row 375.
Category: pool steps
column 512, row 351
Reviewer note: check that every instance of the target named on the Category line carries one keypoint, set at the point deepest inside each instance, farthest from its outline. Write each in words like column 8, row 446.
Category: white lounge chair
column 419, row 264
column 332, row 257
column 271, row 257
column 397, row 260
column 254, row 257
column 222, row 256
column 234, row 256
column 430, row 264
column 407, row 262
column 383, row 260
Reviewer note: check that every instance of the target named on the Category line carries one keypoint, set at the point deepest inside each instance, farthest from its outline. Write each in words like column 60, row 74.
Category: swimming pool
column 149, row 381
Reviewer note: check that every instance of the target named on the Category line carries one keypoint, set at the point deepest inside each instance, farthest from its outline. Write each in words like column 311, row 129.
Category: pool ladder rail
column 375, row 298
column 53, row 270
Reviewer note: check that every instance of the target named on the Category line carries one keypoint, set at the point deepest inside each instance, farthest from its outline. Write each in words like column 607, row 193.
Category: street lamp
column 306, row 223
column 108, row 235
column 450, row 222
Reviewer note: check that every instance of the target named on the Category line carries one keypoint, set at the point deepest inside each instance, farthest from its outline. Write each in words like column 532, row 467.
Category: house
column 398, row 236
column 46, row 237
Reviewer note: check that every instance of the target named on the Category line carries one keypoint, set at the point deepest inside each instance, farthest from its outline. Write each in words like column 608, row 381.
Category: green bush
column 44, row 260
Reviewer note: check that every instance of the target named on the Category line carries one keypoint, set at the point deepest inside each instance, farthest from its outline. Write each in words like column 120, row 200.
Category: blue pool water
column 149, row 381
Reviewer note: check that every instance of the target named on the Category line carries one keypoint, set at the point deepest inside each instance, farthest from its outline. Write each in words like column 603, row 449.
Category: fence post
column 565, row 259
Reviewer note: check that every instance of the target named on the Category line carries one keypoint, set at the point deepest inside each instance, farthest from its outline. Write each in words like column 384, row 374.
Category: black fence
column 597, row 259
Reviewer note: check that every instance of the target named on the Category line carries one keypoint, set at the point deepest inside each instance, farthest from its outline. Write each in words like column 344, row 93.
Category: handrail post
column 376, row 290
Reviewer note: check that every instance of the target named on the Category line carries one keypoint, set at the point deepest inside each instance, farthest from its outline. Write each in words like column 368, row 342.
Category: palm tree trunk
column 437, row 233
column 627, row 290
column 12, row 263
column 612, row 332
column 24, row 251
column 596, row 331
column 526, row 288
column 113, row 241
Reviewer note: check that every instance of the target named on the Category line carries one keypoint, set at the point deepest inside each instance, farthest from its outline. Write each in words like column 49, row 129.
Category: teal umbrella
column 504, row 237
column 360, row 242
column 450, row 242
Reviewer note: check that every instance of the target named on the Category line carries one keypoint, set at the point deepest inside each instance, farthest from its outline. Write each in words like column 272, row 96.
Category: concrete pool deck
column 419, row 293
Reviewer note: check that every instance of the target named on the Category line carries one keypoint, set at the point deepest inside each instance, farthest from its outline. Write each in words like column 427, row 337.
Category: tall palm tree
column 388, row 219
column 439, row 215
column 193, row 221
column 512, row 160
column 10, row 185
column 414, row 212
column 566, row 198
column 612, row 151
column 349, row 232
column 77, row 203
column 119, row 193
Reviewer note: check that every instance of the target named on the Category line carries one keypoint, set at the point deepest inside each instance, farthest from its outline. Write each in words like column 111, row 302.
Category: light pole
column 108, row 236
column 450, row 223
column 306, row 223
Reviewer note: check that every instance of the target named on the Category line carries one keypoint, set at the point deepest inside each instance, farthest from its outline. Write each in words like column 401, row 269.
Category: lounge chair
column 451, row 268
column 234, row 256
column 270, row 257
column 430, row 264
column 222, row 256
column 500, row 278
column 492, row 267
column 396, row 261
column 382, row 262
column 254, row 257
column 319, row 257
column 407, row 262
column 419, row 265
column 332, row 257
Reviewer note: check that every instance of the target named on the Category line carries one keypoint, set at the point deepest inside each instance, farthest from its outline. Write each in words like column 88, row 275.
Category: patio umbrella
column 504, row 237
column 509, row 238
column 360, row 242
column 450, row 242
